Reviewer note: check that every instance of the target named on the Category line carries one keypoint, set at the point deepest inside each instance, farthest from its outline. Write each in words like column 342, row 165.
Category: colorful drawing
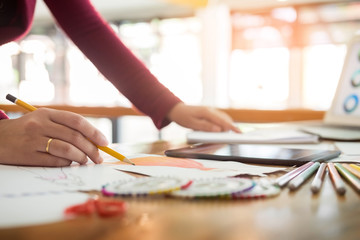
column 165, row 161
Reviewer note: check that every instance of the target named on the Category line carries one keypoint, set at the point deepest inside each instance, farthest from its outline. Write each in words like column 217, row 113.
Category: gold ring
column 48, row 145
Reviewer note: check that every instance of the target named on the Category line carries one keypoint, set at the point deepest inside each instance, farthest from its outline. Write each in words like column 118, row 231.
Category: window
column 284, row 57
column 171, row 49
column 277, row 58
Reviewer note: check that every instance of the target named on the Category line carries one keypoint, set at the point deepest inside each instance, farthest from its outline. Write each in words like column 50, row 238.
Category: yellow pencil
column 357, row 167
column 103, row 148
column 353, row 180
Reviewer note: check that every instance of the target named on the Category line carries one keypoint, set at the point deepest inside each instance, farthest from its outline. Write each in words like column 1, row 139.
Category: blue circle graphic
column 351, row 103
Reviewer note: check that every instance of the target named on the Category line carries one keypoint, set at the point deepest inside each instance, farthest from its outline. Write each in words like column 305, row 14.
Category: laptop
column 342, row 120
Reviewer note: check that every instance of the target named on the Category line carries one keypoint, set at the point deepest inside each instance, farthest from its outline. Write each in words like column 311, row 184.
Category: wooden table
column 291, row 215
column 238, row 115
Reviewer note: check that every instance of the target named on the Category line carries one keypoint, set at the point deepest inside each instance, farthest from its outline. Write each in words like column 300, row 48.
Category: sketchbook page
column 161, row 166
column 36, row 209
column 264, row 135
column 17, row 180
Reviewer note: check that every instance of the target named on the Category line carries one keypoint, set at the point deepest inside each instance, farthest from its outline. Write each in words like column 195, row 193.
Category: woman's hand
column 201, row 118
column 24, row 141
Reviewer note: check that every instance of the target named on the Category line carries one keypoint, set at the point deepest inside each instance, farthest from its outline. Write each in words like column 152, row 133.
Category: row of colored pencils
column 337, row 171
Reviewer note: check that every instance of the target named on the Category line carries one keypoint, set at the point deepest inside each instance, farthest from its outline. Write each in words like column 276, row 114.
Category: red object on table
column 103, row 208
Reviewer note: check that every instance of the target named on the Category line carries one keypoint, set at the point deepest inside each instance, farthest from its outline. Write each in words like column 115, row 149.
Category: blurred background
column 248, row 54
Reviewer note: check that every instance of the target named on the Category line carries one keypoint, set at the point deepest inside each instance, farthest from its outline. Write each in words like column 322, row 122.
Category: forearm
column 94, row 37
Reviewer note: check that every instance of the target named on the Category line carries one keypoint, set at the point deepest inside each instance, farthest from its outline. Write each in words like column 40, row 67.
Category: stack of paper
column 263, row 135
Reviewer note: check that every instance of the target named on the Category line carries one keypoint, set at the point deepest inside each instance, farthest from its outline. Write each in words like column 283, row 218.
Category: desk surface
column 291, row 215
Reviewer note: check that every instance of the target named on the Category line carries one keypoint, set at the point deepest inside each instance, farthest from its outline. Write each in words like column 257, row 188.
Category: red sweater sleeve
column 94, row 37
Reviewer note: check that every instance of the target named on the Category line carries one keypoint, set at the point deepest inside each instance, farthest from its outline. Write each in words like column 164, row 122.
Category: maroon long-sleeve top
column 94, row 37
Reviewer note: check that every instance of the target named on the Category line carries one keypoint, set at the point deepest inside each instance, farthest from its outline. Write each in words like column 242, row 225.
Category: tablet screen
column 251, row 153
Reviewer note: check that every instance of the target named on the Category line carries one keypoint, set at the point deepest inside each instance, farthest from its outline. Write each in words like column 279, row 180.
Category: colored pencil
column 352, row 169
column 283, row 180
column 103, row 148
column 353, row 180
column 303, row 176
column 319, row 178
column 357, row 167
column 336, row 179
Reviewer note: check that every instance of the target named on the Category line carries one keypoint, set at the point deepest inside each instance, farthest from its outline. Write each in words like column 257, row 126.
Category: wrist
column 173, row 111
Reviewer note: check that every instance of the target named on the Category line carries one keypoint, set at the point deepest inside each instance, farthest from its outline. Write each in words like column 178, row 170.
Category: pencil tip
column 129, row 161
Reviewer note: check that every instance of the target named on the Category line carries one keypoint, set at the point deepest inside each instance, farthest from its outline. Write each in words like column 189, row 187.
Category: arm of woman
column 94, row 37
column 25, row 140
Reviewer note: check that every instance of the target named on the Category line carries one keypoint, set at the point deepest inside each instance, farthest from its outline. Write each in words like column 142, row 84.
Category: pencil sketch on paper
column 56, row 176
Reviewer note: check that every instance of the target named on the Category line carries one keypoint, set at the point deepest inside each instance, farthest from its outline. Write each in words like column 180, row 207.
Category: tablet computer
column 253, row 153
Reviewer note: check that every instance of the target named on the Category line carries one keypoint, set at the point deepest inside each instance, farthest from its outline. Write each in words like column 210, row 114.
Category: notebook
column 342, row 120
column 261, row 135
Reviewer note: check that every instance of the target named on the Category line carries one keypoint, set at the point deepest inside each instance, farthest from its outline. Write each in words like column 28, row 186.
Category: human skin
column 23, row 140
column 201, row 118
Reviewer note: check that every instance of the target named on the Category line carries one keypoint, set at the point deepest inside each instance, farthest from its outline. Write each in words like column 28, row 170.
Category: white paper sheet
column 265, row 135
column 15, row 180
column 36, row 209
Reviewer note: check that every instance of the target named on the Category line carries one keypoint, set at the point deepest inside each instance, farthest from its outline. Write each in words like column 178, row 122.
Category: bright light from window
column 35, row 85
column 9, row 79
column 87, row 86
column 259, row 78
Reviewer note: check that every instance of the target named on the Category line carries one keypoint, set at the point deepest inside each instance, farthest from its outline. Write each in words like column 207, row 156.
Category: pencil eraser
column 11, row 98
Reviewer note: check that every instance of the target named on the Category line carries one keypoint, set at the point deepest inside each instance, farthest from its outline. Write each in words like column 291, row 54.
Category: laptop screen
column 345, row 108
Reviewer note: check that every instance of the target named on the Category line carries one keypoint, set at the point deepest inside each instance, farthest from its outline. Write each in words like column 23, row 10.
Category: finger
column 47, row 160
column 229, row 126
column 235, row 128
column 221, row 119
column 76, row 139
column 79, row 124
column 69, row 134
column 66, row 151
column 204, row 125
column 69, row 141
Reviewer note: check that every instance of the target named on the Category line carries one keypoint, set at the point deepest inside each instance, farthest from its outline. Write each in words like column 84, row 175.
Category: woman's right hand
column 23, row 141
